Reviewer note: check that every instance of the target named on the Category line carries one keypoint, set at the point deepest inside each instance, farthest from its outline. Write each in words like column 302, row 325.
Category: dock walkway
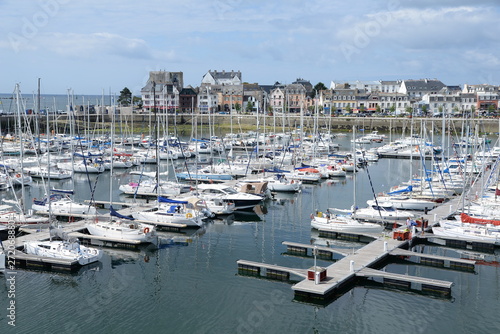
column 342, row 271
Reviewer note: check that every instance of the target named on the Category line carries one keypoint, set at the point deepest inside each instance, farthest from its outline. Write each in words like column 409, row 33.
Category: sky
column 95, row 46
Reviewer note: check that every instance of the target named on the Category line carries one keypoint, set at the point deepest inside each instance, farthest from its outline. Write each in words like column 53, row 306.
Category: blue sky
column 94, row 45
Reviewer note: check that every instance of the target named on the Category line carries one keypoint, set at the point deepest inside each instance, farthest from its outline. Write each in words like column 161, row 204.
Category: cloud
column 413, row 28
column 446, row 3
column 92, row 45
column 487, row 59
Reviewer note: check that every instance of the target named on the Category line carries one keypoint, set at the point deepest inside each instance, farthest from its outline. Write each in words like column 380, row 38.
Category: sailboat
column 7, row 213
column 60, row 203
column 171, row 212
column 64, row 249
column 119, row 226
column 344, row 223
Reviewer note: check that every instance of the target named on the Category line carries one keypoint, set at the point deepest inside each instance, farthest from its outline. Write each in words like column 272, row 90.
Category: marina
column 250, row 167
column 344, row 261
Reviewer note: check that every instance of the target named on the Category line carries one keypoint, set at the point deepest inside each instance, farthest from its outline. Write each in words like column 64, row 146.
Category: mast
column 353, row 208
column 156, row 135
column 38, row 115
column 21, row 144
column 47, row 129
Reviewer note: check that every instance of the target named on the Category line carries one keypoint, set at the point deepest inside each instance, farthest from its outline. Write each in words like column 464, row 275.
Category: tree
column 492, row 111
column 249, row 106
column 137, row 101
column 378, row 109
column 424, row 109
column 409, row 110
column 125, row 97
column 319, row 87
column 392, row 109
column 348, row 109
column 237, row 106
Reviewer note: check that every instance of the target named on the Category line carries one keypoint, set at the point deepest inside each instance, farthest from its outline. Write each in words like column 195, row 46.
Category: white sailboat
column 339, row 223
column 68, row 250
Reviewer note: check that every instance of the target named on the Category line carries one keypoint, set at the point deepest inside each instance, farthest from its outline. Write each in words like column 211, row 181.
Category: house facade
column 162, row 91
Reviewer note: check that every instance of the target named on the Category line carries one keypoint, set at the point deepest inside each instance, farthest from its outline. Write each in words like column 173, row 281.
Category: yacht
column 226, row 193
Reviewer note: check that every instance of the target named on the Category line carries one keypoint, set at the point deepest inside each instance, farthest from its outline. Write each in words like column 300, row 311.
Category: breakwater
column 286, row 122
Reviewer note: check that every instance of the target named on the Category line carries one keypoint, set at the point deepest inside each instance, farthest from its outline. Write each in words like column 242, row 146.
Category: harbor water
column 193, row 285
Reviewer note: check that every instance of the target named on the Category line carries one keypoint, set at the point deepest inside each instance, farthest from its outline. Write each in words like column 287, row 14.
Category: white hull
column 408, row 203
column 63, row 250
column 166, row 218
column 126, row 230
column 468, row 233
column 64, row 206
column 345, row 224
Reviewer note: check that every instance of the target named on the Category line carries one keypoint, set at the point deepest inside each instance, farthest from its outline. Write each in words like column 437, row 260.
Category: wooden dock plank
column 321, row 248
column 403, row 252
column 295, row 271
column 369, row 272
column 340, row 271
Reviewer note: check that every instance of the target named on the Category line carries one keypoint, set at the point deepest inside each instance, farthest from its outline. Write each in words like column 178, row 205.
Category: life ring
column 146, row 230
column 189, row 215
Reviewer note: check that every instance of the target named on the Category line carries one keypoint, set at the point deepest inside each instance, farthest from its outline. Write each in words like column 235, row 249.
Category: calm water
column 195, row 287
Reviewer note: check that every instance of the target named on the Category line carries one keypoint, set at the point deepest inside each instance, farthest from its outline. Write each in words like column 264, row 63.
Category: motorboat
column 306, row 175
column 281, row 184
column 227, row 193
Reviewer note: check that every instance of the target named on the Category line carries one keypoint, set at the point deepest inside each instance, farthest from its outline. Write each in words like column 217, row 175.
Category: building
column 276, row 97
column 162, row 90
column 295, row 97
column 253, row 98
column 446, row 102
column 416, row 89
column 224, row 91
column 343, row 99
column 188, row 100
